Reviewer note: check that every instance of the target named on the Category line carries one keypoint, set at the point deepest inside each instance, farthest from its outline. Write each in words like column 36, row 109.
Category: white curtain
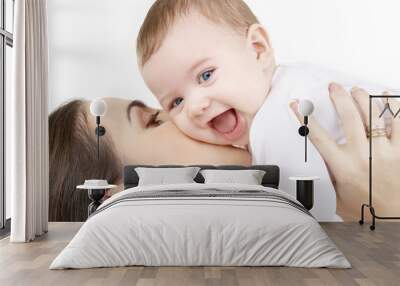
column 27, row 123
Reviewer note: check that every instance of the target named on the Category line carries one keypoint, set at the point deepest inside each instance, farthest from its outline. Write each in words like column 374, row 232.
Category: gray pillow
column 248, row 177
column 162, row 176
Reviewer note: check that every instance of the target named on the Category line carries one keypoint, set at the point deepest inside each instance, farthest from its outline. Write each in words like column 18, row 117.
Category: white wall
column 92, row 42
column 360, row 37
column 92, row 49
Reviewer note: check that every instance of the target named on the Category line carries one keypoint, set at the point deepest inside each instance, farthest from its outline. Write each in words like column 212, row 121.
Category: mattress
column 201, row 225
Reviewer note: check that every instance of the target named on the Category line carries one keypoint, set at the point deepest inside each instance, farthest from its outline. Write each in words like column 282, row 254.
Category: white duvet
column 183, row 231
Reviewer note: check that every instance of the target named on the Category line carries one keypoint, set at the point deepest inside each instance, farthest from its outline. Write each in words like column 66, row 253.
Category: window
column 6, row 44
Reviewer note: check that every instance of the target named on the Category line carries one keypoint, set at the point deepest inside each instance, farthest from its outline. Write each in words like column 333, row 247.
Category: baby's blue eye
column 176, row 102
column 206, row 75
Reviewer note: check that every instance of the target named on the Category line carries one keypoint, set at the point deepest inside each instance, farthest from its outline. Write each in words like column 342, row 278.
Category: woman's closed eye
column 153, row 121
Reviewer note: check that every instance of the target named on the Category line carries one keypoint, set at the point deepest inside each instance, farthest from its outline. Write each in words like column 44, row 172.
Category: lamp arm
column 98, row 144
column 99, row 131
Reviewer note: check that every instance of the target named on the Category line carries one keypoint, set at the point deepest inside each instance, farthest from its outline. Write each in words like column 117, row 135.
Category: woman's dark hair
column 73, row 158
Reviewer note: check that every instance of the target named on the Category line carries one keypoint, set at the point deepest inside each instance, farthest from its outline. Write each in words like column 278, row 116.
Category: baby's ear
column 259, row 43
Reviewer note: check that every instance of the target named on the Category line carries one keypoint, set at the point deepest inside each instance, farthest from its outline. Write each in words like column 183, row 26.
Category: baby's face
column 210, row 79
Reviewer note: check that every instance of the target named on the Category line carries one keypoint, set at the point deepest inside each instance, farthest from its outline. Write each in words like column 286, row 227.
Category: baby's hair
column 163, row 13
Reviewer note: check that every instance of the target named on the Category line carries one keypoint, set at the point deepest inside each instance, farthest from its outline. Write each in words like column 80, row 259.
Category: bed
column 201, row 224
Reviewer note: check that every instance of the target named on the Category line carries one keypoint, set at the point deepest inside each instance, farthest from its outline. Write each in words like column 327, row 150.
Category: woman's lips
column 229, row 124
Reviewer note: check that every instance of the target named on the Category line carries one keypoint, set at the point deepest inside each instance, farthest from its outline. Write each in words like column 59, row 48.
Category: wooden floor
column 375, row 257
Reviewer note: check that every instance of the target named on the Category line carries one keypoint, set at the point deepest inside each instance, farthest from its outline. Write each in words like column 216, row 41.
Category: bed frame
column 270, row 179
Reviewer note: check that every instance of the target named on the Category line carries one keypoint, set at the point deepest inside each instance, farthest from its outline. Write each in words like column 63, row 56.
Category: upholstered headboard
column 270, row 179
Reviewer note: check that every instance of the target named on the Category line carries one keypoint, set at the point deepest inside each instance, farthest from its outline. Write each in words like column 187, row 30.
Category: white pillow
column 162, row 176
column 248, row 177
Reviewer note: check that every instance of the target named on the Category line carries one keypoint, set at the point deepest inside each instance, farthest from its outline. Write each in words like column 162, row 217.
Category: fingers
column 361, row 98
column 325, row 145
column 349, row 115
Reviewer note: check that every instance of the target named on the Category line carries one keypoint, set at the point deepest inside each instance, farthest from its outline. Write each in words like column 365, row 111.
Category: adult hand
column 348, row 164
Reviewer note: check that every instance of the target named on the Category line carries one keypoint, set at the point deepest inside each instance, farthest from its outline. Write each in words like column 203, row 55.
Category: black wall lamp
column 98, row 108
column 306, row 108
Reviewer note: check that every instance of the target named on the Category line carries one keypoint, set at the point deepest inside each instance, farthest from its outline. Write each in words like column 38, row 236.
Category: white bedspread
column 183, row 231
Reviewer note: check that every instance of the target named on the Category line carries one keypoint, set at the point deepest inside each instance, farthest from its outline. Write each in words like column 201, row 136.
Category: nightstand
column 96, row 190
column 305, row 190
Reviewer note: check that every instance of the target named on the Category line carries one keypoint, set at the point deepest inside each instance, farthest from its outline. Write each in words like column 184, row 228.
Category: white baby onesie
column 274, row 137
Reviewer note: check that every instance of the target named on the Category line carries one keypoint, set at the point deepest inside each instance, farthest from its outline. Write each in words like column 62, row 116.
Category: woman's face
column 143, row 135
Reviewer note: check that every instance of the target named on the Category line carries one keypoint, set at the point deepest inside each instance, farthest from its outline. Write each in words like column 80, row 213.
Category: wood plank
column 375, row 257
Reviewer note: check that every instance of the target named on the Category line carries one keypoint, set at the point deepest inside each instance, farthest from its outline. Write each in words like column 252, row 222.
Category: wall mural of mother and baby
column 225, row 100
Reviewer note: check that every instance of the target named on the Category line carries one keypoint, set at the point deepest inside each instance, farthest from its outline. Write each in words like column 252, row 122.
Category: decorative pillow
column 162, row 176
column 248, row 177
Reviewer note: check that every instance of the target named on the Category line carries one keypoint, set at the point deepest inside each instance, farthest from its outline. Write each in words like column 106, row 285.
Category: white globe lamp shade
column 306, row 107
column 98, row 107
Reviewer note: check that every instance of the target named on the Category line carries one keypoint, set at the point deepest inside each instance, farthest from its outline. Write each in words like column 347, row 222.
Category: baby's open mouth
column 229, row 123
